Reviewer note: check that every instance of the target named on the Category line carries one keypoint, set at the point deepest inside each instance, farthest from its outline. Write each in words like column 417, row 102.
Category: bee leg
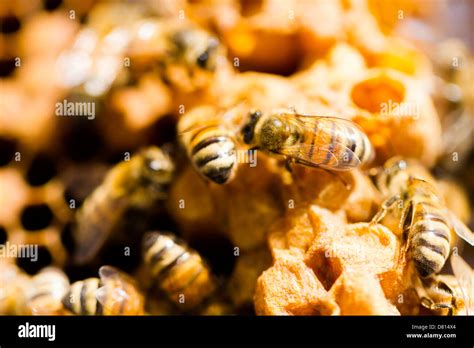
column 427, row 303
column 405, row 214
column 386, row 205
column 430, row 304
column 288, row 163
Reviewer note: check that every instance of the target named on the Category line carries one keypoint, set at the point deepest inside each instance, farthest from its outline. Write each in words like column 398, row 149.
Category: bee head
column 390, row 177
column 207, row 59
column 248, row 130
column 158, row 166
column 197, row 48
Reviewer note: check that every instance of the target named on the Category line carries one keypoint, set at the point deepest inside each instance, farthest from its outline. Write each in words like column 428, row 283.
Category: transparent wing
column 92, row 229
column 327, row 133
column 221, row 118
column 110, row 296
column 311, row 119
column 197, row 128
column 107, row 273
column 113, row 291
column 463, row 273
column 119, row 294
column 461, row 229
column 301, row 154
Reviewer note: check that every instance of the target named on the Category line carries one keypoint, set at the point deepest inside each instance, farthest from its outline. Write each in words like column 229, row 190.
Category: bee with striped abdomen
column 178, row 49
column 212, row 152
column 317, row 141
column 392, row 177
column 425, row 221
column 45, row 292
column 177, row 270
column 117, row 31
column 137, row 184
column 210, row 144
column 13, row 285
column 451, row 295
column 195, row 48
column 115, row 293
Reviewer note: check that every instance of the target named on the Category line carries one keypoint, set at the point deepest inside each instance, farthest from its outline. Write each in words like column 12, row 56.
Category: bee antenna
column 248, row 129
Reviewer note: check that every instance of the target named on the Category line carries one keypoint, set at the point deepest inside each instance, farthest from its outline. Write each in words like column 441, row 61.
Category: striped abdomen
column 212, row 152
column 46, row 292
column 430, row 238
column 177, row 270
column 94, row 296
column 336, row 144
column 81, row 299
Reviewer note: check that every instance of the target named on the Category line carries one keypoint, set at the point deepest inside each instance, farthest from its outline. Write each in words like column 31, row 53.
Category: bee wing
column 312, row 119
column 463, row 273
column 107, row 273
column 196, row 128
column 222, row 118
column 300, row 154
column 110, row 296
column 461, row 229
column 113, row 291
column 344, row 157
column 91, row 232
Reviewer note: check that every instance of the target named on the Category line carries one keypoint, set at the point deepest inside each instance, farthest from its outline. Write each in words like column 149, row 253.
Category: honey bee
column 135, row 184
column 118, row 33
column 316, row 141
column 177, row 270
column 425, row 221
column 13, row 283
column 393, row 176
column 213, row 154
column 95, row 60
column 210, row 144
column 45, row 292
column 115, row 293
column 170, row 42
column 453, row 296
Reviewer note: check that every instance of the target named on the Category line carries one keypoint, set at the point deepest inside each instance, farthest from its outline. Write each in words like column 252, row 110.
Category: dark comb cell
column 51, row 5
column 7, row 66
column 41, row 170
column 81, row 139
column 8, row 148
column 39, row 257
column 36, row 217
column 3, row 235
column 67, row 238
column 9, row 24
column 218, row 251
